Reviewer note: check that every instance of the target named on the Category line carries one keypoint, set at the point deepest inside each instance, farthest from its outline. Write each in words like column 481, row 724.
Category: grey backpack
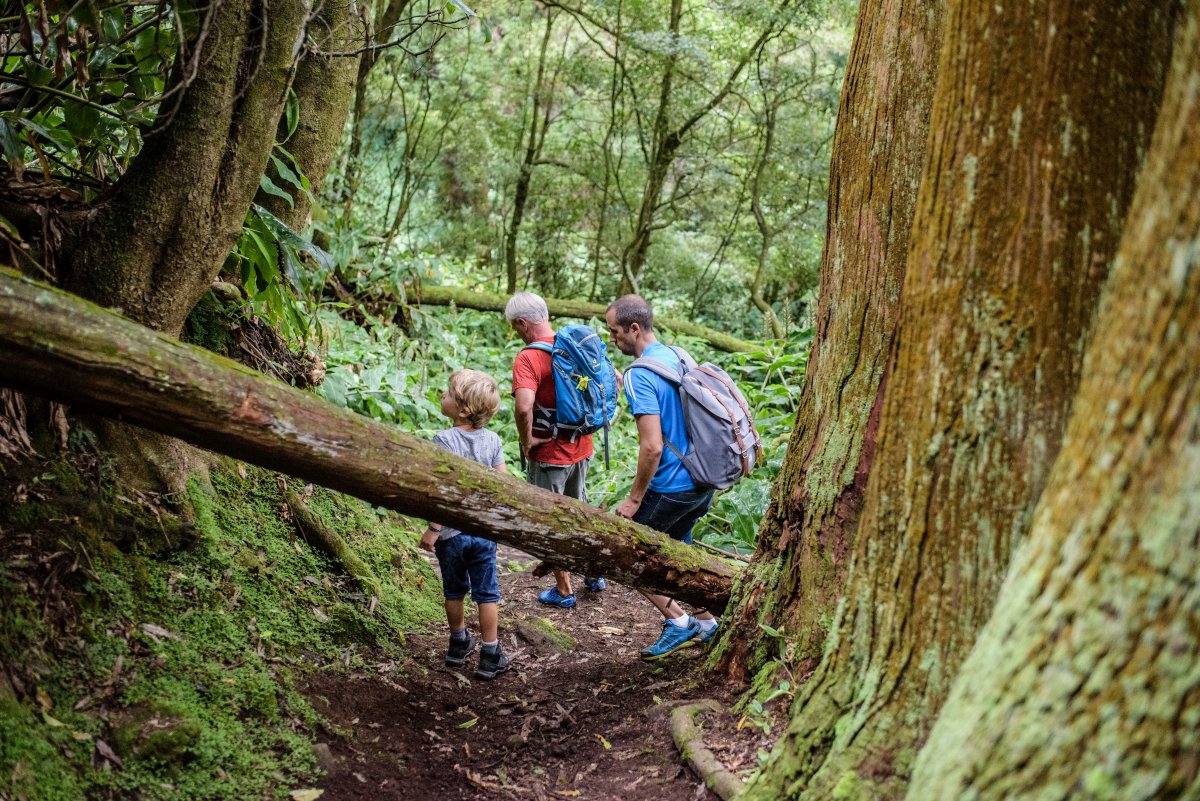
column 724, row 443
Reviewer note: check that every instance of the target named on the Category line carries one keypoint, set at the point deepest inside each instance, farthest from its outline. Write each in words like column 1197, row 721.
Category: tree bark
column 668, row 138
column 809, row 531
column 62, row 347
column 324, row 86
column 1095, row 634
column 538, row 114
column 1045, row 105
column 152, row 245
column 428, row 295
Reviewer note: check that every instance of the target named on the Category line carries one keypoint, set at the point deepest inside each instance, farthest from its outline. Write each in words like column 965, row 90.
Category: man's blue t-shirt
column 649, row 393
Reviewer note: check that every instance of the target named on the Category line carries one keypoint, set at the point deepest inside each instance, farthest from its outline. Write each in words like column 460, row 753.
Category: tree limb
column 426, row 295
column 57, row 345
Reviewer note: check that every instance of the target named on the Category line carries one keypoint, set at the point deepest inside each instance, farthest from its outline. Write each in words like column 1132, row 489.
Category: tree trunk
column 324, row 86
column 1034, row 104
column 427, row 295
column 532, row 148
column 152, row 246
column 64, row 348
column 807, row 536
column 1095, row 634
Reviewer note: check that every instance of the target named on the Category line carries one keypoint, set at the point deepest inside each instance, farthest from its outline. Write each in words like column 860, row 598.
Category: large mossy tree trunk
column 805, row 540
column 324, row 87
column 1096, row 635
column 1038, row 127
column 153, row 244
column 57, row 345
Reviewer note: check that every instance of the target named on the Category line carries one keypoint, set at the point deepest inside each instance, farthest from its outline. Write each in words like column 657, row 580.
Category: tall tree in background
column 1094, row 636
column 805, row 541
column 1047, row 106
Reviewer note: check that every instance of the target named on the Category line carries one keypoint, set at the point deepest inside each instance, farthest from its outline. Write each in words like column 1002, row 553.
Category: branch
column 485, row 301
column 59, row 346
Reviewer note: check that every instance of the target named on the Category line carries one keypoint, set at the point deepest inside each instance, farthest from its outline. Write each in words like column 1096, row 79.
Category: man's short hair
column 630, row 309
column 477, row 396
column 526, row 306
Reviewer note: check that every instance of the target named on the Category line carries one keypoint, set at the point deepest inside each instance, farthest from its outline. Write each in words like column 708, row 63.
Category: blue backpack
column 585, row 386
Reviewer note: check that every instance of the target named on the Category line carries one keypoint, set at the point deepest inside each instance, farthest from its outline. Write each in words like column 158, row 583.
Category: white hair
column 526, row 306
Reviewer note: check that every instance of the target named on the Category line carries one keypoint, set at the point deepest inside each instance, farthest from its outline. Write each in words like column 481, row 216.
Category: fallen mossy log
column 60, row 346
column 487, row 301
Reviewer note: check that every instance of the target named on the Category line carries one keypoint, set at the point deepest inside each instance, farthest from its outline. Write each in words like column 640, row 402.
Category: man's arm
column 650, row 447
column 523, row 406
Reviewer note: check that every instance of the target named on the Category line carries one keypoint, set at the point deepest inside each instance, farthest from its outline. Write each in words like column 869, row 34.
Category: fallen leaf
column 607, row 745
column 105, row 750
column 569, row 793
column 241, row 471
column 466, row 724
column 155, row 632
column 51, row 722
column 80, row 736
column 305, row 795
column 319, row 615
column 44, row 700
column 610, row 630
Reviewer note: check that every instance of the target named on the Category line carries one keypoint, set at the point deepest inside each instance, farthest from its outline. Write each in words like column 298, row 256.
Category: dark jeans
column 468, row 564
column 674, row 513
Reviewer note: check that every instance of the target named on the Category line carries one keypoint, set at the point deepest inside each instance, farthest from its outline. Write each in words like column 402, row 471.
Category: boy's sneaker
column 596, row 584
column 552, row 597
column 459, row 650
column 492, row 664
column 671, row 640
column 703, row 638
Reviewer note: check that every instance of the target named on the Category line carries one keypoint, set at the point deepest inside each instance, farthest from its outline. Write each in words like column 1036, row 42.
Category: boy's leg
column 454, row 614
column 489, row 622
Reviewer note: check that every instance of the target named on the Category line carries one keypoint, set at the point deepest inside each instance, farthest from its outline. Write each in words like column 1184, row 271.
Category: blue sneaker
column 703, row 638
column 671, row 640
column 552, row 598
column 597, row 584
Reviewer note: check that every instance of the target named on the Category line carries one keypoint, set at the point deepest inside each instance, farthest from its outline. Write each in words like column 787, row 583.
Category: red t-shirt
column 532, row 370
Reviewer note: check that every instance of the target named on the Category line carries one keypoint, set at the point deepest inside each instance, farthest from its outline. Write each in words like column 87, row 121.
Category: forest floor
column 579, row 715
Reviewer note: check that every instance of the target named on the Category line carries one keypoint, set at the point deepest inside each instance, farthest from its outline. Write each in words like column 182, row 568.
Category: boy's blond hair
column 477, row 396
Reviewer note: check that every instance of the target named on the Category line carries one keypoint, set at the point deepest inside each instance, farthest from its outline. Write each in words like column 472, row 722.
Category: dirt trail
column 587, row 720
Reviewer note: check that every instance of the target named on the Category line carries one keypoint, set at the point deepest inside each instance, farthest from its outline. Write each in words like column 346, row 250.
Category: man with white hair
column 559, row 465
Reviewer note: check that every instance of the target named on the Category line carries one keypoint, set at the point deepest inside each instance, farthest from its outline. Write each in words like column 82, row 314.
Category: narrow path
column 578, row 716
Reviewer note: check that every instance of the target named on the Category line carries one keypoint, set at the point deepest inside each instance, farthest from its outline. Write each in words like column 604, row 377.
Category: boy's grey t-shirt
column 482, row 445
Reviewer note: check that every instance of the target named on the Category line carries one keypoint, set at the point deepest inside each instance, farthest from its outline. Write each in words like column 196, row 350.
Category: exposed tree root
column 323, row 538
column 691, row 747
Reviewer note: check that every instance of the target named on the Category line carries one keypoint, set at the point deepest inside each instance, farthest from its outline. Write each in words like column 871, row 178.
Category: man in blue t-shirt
column 663, row 495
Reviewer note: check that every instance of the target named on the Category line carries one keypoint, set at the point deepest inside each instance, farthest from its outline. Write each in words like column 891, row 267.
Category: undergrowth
column 150, row 662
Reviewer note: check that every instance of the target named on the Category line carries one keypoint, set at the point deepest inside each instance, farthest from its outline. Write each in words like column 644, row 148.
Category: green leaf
column 466, row 724
column 268, row 186
column 291, row 113
column 10, row 142
column 771, row 631
column 285, row 172
column 80, row 119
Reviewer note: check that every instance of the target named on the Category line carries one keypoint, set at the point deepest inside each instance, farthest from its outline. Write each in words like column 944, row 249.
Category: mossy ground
column 145, row 658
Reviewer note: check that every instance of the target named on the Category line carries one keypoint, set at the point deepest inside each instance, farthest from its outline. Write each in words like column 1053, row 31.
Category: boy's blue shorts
column 468, row 564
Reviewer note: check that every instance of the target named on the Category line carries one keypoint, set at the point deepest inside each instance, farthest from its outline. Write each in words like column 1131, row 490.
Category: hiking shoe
column 552, row 598
column 459, row 650
column 597, row 584
column 671, row 640
column 492, row 664
column 703, row 638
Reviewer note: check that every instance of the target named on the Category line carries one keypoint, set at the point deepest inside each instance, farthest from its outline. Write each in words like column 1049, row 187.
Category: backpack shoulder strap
column 543, row 346
column 685, row 358
column 658, row 368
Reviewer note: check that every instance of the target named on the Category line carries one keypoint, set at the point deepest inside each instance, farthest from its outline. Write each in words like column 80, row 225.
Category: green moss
column 207, row 694
column 208, row 325
column 561, row 640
